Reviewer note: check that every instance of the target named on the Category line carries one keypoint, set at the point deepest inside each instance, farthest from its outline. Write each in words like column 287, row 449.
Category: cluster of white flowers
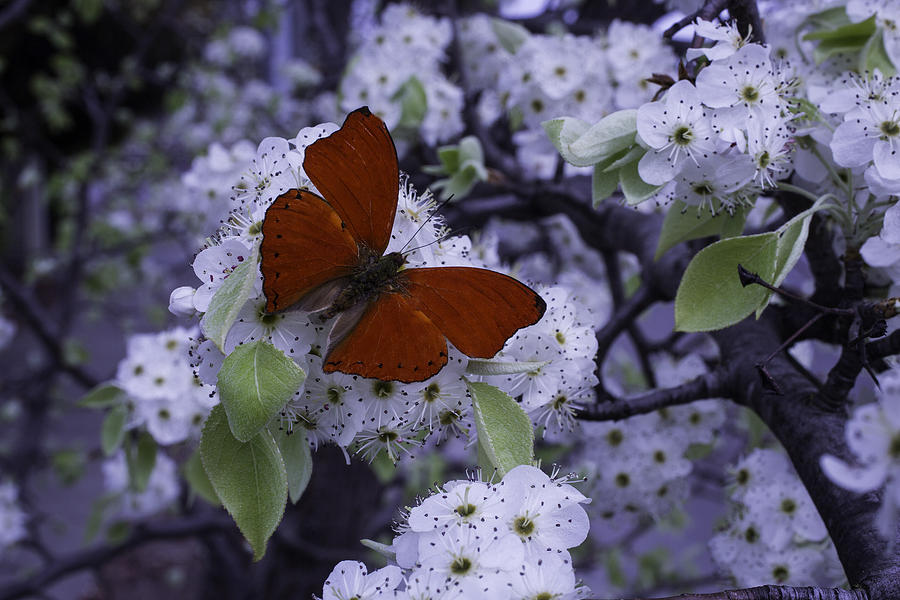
column 867, row 138
column 775, row 533
column 241, row 43
column 550, row 75
column 862, row 133
column 212, row 177
column 567, row 260
column 563, row 344
column 883, row 250
column 127, row 503
column 470, row 539
column 638, row 466
column 12, row 517
column 873, row 436
column 405, row 45
column 715, row 145
column 162, row 393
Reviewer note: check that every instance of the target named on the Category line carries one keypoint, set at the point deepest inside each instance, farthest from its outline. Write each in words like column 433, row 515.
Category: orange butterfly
column 328, row 253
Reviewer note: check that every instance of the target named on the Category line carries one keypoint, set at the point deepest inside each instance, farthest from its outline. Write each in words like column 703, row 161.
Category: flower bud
column 181, row 301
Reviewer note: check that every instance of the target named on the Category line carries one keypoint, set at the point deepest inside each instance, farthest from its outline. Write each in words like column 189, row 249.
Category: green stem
column 789, row 187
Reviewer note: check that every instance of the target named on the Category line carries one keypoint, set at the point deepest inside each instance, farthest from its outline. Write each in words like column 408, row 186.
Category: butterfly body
column 327, row 253
column 374, row 275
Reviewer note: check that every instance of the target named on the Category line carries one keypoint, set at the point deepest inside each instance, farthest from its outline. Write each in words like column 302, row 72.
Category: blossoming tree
column 714, row 230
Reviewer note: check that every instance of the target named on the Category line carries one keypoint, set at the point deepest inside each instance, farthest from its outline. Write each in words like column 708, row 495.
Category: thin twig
column 709, row 385
column 640, row 301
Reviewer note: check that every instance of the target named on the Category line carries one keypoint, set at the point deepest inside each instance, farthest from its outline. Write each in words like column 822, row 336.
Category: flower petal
column 857, row 479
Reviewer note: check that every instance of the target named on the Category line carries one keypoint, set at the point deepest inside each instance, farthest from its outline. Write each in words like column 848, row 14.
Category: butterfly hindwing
column 391, row 341
column 477, row 309
column 356, row 171
column 305, row 245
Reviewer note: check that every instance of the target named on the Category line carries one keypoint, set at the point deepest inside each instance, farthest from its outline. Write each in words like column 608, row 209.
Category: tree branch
column 29, row 310
column 808, row 429
column 744, row 12
column 622, row 319
column 777, row 592
column 886, row 346
column 709, row 385
column 94, row 557
column 617, row 289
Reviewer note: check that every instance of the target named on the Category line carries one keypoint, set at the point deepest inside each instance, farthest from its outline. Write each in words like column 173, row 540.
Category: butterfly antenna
column 446, row 236
column 432, row 215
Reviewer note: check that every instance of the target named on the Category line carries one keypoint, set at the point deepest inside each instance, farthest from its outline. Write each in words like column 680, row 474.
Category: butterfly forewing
column 391, row 341
column 305, row 245
column 478, row 310
column 355, row 169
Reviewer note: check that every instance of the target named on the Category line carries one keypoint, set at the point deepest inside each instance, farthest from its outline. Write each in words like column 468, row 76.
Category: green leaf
column 789, row 248
column 611, row 134
column 88, row 10
column 102, row 396
column 624, row 157
column 505, row 432
column 479, row 366
column 633, row 187
column 297, row 461
column 112, row 432
column 874, row 56
column 141, row 458
column 68, row 465
column 697, row 451
column 612, row 560
column 470, row 150
column 603, row 184
column 449, row 157
column 384, row 468
column 652, row 567
column 117, row 532
column 248, row 477
column 710, row 295
column 510, row 35
column 563, row 132
column 228, row 301
column 850, row 31
column 830, row 18
column 95, row 517
column 734, row 225
column 851, row 38
column 465, row 165
column 791, row 241
column 196, row 477
column 488, row 470
column 584, row 145
column 255, row 382
column 413, row 102
column 683, row 223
